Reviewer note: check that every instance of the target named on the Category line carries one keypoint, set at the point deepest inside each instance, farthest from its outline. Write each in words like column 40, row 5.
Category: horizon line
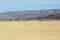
column 29, row 10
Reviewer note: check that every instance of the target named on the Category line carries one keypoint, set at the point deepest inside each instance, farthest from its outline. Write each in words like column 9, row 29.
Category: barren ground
column 30, row 30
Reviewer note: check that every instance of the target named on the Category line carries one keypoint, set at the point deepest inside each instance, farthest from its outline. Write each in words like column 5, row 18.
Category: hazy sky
column 18, row 5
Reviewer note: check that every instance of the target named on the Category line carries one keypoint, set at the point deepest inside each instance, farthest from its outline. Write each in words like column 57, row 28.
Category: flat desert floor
column 30, row 30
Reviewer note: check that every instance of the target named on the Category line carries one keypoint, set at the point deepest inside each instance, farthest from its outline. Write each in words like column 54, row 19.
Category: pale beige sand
column 30, row 30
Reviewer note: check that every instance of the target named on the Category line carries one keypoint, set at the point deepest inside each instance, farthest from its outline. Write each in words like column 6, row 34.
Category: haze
column 18, row 5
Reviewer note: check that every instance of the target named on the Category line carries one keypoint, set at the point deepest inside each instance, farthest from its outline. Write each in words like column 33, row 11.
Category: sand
column 30, row 30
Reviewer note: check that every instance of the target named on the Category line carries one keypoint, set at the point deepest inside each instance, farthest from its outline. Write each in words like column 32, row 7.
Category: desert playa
column 30, row 30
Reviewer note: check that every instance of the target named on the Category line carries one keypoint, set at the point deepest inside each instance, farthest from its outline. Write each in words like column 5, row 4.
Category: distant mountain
column 51, row 14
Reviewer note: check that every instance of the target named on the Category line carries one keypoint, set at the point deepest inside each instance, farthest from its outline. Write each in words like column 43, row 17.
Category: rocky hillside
column 51, row 14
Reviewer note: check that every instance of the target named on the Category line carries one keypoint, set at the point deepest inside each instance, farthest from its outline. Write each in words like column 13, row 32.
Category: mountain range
column 50, row 14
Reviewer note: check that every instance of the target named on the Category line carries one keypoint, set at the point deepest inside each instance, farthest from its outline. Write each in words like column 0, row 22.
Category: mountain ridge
column 33, row 14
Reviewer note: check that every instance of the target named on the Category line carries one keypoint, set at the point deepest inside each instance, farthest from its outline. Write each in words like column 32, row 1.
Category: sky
column 21, row 5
